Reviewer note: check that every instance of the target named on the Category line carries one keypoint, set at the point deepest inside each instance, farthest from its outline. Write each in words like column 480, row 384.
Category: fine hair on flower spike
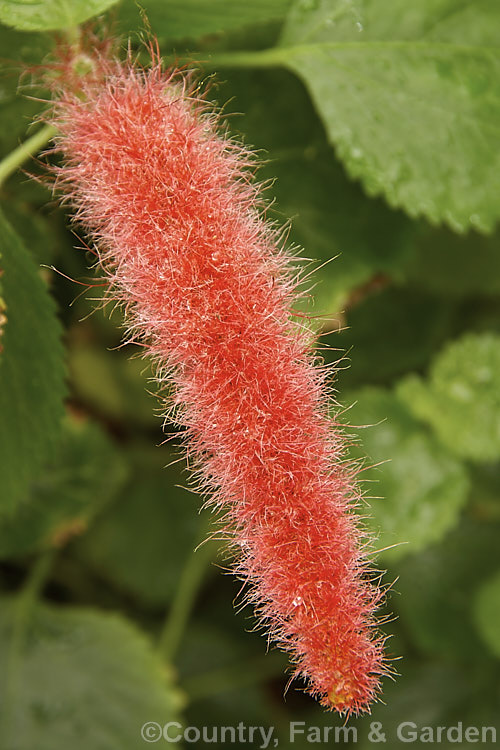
column 208, row 289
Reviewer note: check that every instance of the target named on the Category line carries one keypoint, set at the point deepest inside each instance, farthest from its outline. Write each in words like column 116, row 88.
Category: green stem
column 189, row 583
column 31, row 146
column 35, row 584
column 265, row 58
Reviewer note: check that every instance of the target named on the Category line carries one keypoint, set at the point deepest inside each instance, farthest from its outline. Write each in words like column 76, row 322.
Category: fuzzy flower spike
column 171, row 204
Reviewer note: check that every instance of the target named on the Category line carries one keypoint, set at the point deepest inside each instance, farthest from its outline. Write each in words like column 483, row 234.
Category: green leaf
column 461, row 398
column 191, row 19
column 312, row 188
column 390, row 121
column 485, row 481
column 423, row 694
column 31, row 373
column 437, row 589
column 49, row 15
column 381, row 345
column 3, row 311
column 329, row 214
column 419, row 488
column 454, row 265
column 35, row 229
column 114, row 384
column 409, row 99
column 429, row 695
column 67, row 495
column 154, row 517
column 19, row 100
column 104, row 681
column 487, row 612
column 368, row 20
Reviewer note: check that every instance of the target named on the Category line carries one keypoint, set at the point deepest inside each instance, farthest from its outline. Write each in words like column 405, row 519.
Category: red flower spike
column 170, row 202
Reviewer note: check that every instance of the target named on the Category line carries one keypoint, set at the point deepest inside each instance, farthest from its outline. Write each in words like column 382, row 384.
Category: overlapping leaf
column 487, row 612
column 418, row 487
column 31, row 373
column 461, row 398
column 47, row 15
column 410, row 99
column 67, row 494
column 82, row 680
column 156, row 519
column 114, row 384
column 18, row 98
column 453, row 265
column 190, row 19
column 438, row 587
column 330, row 217
column 3, row 311
column 387, row 333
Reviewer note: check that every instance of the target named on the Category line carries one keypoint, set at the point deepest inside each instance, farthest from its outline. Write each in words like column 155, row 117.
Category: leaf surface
column 461, row 397
column 50, row 15
column 409, row 98
column 32, row 373
column 105, row 681
column 418, row 487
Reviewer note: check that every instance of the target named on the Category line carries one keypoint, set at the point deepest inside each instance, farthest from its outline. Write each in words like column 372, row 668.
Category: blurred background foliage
column 378, row 125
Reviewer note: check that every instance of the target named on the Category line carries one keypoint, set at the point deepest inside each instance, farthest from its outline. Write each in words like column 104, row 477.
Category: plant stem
column 189, row 584
column 31, row 146
column 34, row 586
column 266, row 58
